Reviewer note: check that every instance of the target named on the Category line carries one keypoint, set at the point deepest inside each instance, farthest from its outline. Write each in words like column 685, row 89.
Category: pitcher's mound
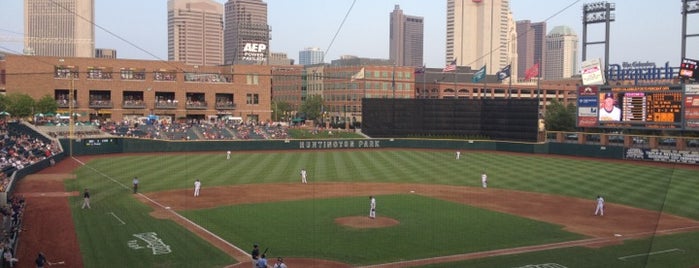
column 366, row 222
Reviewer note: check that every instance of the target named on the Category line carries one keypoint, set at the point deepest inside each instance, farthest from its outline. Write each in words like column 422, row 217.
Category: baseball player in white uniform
column 197, row 187
column 484, row 180
column 228, row 155
column 600, row 206
column 372, row 209
column 303, row 175
column 458, row 155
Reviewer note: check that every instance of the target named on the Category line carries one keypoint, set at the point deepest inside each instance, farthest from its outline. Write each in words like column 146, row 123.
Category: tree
column 312, row 107
column 279, row 108
column 560, row 117
column 46, row 105
column 19, row 105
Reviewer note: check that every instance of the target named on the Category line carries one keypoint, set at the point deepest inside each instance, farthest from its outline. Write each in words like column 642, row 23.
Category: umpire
column 255, row 255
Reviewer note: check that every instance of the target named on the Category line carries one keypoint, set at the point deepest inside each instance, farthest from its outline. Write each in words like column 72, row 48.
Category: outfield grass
column 428, row 228
column 669, row 189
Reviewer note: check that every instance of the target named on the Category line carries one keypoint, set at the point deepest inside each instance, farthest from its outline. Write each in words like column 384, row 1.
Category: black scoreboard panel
column 509, row 119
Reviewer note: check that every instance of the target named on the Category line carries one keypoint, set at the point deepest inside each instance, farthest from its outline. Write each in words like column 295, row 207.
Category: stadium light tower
column 688, row 7
column 599, row 12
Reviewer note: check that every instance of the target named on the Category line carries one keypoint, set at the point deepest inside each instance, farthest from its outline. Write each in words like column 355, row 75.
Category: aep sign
column 255, row 52
column 255, row 48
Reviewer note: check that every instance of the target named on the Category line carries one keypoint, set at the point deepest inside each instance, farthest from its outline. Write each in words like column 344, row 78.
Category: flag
column 420, row 70
column 504, row 73
column 532, row 72
column 358, row 75
column 450, row 67
column 479, row 75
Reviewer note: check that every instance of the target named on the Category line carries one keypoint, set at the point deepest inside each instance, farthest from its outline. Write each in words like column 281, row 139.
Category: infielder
column 372, row 207
column 600, row 206
column 197, row 187
column 303, row 176
column 484, row 180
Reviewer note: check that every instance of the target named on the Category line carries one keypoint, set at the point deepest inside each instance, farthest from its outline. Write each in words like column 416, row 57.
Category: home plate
column 617, row 235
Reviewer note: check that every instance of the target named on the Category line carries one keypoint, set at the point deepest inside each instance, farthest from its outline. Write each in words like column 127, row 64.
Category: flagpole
column 538, row 89
column 509, row 86
column 456, row 88
column 424, row 78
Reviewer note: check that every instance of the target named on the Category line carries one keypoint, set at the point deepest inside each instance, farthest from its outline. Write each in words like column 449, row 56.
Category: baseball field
column 432, row 211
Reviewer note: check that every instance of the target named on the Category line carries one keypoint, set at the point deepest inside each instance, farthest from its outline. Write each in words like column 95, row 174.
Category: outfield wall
column 129, row 145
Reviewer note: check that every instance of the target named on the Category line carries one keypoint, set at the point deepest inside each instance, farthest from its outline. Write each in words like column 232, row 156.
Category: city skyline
column 314, row 23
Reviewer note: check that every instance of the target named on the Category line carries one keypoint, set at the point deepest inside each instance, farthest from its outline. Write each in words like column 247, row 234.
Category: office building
column 406, row 39
column 60, row 28
column 311, row 55
column 195, row 32
column 561, row 53
column 531, row 49
column 105, row 53
column 246, row 33
column 481, row 33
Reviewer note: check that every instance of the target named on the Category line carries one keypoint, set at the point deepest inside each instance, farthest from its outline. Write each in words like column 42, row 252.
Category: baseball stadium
column 141, row 163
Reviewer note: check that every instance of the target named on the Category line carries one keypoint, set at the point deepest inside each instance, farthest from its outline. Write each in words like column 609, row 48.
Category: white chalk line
column 170, row 210
column 650, row 253
column 119, row 219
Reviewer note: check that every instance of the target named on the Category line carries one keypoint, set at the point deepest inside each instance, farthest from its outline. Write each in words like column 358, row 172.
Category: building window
column 252, row 79
column 252, row 98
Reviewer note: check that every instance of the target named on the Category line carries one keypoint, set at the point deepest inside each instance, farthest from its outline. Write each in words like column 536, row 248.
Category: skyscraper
column 561, row 53
column 60, row 28
column 406, row 38
column 311, row 55
column 246, row 33
column 195, row 32
column 531, row 38
column 481, row 33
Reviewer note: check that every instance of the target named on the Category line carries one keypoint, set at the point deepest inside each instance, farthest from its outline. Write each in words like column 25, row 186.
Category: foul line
column 167, row 209
column 650, row 253
column 115, row 216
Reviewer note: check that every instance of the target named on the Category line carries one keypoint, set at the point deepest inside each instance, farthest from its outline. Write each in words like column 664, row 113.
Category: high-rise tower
column 481, row 33
column 246, row 33
column 531, row 47
column 195, row 31
column 406, row 39
column 311, row 55
column 60, row 28
column 561, row 53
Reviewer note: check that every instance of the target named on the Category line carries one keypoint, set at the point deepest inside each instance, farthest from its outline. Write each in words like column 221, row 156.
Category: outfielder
column 197, row 187
column 600, row 206
column 303, row 175
column 228, row 155
column 372, row 207
column 484, row 180
column 458, row 155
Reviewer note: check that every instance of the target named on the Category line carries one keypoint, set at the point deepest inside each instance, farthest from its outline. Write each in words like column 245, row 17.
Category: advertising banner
column 591, row 71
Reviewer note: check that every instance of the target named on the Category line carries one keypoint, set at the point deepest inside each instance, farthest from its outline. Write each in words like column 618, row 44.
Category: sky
column 644, row 30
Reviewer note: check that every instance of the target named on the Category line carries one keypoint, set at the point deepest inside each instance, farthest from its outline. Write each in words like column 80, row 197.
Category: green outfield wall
column 129, row 145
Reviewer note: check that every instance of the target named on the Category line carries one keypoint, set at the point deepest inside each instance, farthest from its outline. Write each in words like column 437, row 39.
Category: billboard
column 688, row 69
column 591, row 72
column 588, row 105
column 691, row 107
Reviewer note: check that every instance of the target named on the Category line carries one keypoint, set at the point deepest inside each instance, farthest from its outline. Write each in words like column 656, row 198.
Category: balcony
column 225, row 106
column 131, row 104
column 65, row 104
column 101, row 104
column 169, row 104
column 196, row 105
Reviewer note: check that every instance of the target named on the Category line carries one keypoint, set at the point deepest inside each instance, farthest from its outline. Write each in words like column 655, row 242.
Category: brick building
column 117, row 89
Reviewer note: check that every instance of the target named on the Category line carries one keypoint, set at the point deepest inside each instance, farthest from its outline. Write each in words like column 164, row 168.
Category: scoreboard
column 644, row 107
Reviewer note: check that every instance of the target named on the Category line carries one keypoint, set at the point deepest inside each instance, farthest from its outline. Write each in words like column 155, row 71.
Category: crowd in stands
column 18, row 150
column 11, row 227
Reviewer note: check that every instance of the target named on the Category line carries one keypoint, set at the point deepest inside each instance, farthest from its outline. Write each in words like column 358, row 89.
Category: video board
column 645, row 107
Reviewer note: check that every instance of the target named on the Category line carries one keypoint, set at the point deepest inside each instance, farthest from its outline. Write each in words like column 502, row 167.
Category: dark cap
column 608, row 95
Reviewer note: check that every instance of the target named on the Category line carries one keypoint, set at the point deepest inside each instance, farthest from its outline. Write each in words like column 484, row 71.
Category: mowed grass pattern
column 629, row 183
column 428, row 228
column 669, row 189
